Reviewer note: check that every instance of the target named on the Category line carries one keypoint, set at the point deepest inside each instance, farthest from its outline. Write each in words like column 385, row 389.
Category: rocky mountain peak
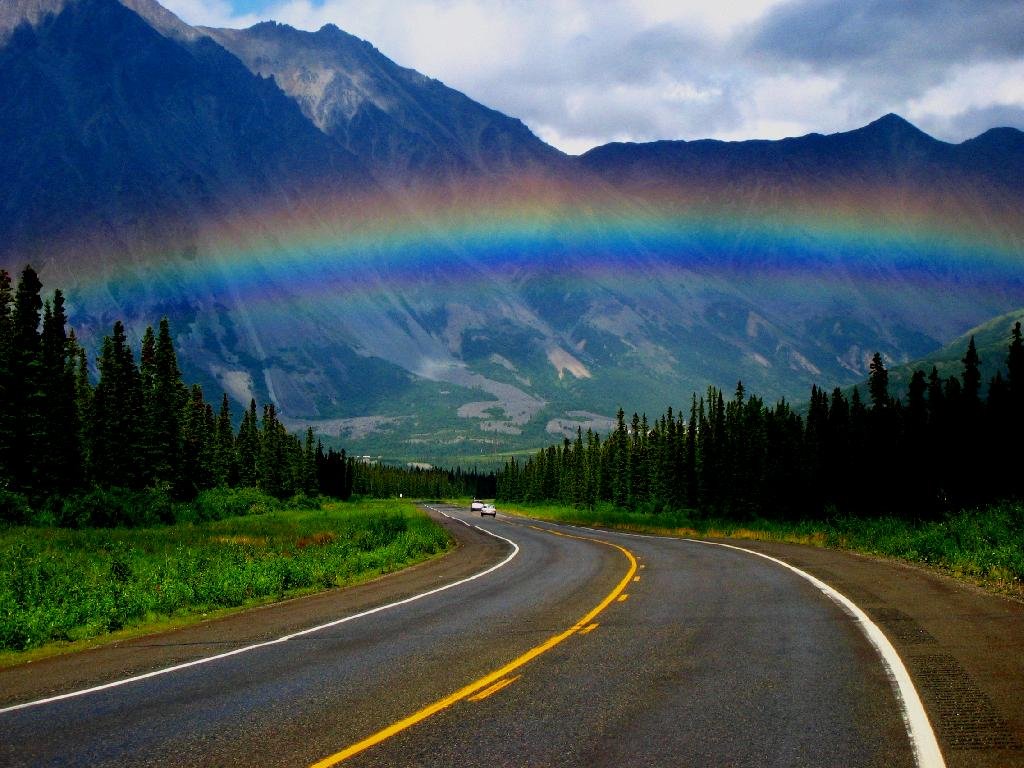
column 14, row 13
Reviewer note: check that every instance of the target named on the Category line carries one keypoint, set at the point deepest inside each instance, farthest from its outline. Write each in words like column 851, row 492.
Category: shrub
column 115, row 508
column 14, row 507
column 220, row 503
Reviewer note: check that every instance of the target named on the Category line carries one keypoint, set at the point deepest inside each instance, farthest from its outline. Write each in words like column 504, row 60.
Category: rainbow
column 347, row 247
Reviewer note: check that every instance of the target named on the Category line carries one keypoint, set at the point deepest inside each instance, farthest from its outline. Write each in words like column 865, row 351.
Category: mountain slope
column 393, row 263
column 395, row 119
column 108, row 125
column 992, row 340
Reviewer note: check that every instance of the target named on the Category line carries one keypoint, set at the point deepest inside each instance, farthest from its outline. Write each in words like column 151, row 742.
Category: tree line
column 940, row 446
column 139, row 426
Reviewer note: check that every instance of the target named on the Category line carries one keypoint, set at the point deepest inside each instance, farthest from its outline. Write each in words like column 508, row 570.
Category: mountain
column 108, row 124
column 396, row 120
column 420, row 277
column 991, row 339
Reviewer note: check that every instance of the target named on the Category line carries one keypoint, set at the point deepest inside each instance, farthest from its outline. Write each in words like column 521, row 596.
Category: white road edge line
column 277, row 641
column 919, row 729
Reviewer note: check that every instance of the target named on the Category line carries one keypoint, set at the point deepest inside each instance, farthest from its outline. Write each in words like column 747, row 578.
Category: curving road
column 582, row 649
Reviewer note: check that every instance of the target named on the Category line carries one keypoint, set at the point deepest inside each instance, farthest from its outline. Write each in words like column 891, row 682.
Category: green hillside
column 992, row 340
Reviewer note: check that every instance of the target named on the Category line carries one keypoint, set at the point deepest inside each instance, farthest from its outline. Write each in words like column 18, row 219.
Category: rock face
column 396, row 120
column 398, row 265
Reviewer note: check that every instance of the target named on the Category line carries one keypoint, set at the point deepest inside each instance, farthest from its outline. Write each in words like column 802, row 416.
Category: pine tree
column 1015, row 401
column 226, row 463
column 117, row 410
column 26, row 385
column 197, row 441
column 59, row 463
column 1015, row 364
column 248, row 448
column 621, row 462
column 878, row 384
column 7, row 391
column 166, row 402
column 692, row 488
column 309, row 479
column 83, row 402
column 970, row 393
column 270, row 465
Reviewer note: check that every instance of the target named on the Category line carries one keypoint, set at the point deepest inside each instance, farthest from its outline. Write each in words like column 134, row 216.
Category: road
column 582, row 649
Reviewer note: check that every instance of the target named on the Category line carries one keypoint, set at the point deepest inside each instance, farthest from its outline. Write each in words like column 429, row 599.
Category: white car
column 476, row 506
column 488, row 509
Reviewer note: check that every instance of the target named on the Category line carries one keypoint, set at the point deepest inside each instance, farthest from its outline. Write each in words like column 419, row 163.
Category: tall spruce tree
column 7, row 412
column 27, row 387
column 60, row 458
column 248, row 448
column 166, row 403
column 117, row 416
column 971, row 391
column 226, row 466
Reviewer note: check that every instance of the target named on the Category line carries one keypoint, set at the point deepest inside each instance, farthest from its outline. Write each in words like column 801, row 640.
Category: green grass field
column 984, row 546
column 62, row 586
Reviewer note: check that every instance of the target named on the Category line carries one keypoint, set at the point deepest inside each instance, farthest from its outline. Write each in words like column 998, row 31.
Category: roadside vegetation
column 931, row 475
column 61, row 585
column 983, row 546
column 127, row 501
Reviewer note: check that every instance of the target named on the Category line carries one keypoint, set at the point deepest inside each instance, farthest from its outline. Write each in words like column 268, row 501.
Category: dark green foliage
column 166, row 398
column 26, row 403
column 115, row 508
column 141, row 448
column 72, row 584
column 221, row 503
column 939, row 448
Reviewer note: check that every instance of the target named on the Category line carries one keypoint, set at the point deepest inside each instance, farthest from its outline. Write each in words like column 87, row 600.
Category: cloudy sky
column 584, row 73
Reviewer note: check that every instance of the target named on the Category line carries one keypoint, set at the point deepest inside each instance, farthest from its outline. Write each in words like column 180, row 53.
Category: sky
column 580, row 74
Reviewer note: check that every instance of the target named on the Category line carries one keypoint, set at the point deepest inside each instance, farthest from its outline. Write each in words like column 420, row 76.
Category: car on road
column 476, row 506
column 488, row 509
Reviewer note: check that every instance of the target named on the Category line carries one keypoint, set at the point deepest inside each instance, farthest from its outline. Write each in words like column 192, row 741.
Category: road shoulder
column 963, row 647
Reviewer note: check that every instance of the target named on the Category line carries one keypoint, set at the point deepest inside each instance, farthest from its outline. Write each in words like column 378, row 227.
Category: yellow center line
column 623, row 598
column 589, row 629
column 493, row 689
column 496, row 675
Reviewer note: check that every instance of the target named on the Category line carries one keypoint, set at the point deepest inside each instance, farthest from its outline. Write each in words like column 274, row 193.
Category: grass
column 60, row 587
column 983, row 546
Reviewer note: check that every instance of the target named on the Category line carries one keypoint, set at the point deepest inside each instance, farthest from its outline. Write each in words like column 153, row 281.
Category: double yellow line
column 491, row 678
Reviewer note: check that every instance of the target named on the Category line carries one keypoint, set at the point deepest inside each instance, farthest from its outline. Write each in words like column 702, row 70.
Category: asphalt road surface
column 583, row 649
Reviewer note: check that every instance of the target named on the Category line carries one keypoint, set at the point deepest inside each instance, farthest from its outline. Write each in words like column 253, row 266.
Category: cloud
column 582, row 73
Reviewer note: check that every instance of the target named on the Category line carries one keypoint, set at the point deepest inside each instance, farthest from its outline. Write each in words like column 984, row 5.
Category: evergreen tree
column 226, row 463
column 26, row 386
column 309, row 474
column 7, row 385
column 878, row 383
column 117, row 411
column 83, row 402
column 1014, row 366
column 1015, row 403
column 166, row 404
column 248, row 448
column 271, row 466
column 971, row 391
column 59, row 455
column 621, row 462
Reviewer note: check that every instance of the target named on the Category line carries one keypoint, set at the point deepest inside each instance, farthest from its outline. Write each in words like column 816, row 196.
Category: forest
column 138, row 446
column 943, row 445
